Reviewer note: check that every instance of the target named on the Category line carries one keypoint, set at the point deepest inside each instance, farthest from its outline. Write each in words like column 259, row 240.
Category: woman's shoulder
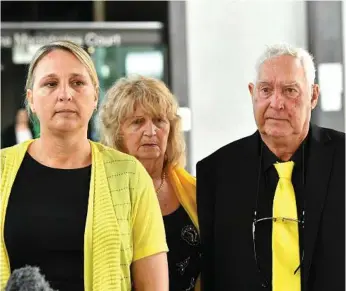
column 117, row 162
column 123, row 171
column 12, row 156
column 112, row 155
column 183, row 174
column 15, row 149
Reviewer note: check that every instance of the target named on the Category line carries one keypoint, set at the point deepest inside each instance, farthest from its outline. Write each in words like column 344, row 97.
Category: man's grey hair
column 283, row 49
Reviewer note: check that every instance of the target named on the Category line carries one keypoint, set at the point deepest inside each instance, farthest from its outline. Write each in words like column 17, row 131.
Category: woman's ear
column 30, row 100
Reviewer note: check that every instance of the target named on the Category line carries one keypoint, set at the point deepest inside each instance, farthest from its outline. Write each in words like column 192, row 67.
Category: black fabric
column 45, row 222
column 226, row 195
column 184, row 251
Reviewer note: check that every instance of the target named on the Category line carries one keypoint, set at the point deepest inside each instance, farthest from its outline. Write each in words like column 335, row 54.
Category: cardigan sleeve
column 149, row 236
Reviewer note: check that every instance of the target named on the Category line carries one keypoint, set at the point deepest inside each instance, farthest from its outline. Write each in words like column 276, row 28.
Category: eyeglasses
column 256, row 221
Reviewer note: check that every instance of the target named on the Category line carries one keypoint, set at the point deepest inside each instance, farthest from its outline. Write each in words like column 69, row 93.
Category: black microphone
column 27, row 279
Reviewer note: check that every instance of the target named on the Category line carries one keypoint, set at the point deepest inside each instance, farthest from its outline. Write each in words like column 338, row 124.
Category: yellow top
column 123, row 224
column 185, row 188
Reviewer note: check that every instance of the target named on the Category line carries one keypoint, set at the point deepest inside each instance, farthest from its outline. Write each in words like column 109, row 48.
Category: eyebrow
column 137, row 116
column 292, row 83
column 53, row 75
column 260, row 83
column 129, row 118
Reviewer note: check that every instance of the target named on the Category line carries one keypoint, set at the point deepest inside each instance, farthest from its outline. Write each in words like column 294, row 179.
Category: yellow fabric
column 185, row 188
column 124, row 221
column 285, row 236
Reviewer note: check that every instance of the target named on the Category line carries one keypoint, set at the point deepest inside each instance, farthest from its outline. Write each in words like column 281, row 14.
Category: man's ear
column 251, row 88
column 314, row 95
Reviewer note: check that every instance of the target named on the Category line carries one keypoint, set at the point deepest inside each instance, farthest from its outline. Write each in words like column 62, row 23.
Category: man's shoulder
column 236, row 149
column 335, row 134
column 332, row 135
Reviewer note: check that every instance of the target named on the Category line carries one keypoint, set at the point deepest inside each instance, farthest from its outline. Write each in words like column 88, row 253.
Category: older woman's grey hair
column 153, row 96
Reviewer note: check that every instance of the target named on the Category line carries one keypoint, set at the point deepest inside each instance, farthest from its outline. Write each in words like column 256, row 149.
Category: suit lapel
column 249, row 166
column 235, row 204
column 318, row 171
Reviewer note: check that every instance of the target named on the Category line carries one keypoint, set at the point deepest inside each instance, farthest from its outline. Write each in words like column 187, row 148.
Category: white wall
column 224, row 39
column 343, row 15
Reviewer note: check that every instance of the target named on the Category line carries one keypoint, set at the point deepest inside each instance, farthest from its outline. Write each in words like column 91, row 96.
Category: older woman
column 87, row 215
column 139, row 117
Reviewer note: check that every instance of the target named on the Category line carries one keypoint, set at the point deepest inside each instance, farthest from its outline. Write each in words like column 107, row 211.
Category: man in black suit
column 237, row 183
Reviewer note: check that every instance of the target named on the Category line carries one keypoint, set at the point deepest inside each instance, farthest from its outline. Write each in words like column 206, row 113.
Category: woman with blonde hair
column 139, row 117
column 85, row 214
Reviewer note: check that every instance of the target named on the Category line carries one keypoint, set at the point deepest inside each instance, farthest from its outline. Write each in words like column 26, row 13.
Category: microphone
column 27, row 278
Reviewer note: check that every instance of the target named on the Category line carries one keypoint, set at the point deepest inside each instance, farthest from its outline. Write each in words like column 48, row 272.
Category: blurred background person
column 86, row 215
column 139, row 116
column 20, row 131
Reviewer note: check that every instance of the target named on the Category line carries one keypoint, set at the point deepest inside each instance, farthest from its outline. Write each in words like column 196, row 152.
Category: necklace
column 162, row 181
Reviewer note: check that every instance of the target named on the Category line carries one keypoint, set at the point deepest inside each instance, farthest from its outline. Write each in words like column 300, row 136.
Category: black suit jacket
column 226, row 194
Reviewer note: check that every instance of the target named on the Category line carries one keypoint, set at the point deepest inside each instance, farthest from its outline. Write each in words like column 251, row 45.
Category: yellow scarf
column 185, row 189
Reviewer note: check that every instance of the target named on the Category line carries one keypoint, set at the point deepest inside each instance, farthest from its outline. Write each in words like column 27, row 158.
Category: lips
column 65, row 111
column 273, row 118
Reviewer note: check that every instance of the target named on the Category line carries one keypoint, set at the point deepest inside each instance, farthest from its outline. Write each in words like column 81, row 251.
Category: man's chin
column 275, row 132
column 278, row 134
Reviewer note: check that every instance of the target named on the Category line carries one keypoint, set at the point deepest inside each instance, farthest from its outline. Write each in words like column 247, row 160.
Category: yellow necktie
column 285, row 235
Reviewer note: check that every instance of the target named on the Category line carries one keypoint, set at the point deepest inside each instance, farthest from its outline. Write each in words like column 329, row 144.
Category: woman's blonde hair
column 68, row 46
column 122, row 99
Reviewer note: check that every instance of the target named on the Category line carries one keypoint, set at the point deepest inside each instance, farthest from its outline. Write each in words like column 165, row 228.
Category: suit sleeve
column 327, row 270
column 205, row 211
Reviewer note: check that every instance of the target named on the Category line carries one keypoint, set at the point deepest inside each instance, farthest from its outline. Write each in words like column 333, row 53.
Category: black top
column 184, row 251
column 269, row 180
column 45, row 222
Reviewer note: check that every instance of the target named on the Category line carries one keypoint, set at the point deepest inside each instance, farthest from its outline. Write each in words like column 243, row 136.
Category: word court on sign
column 90, row 39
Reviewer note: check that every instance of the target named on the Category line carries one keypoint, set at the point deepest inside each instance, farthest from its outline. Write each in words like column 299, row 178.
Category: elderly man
column 271, row 206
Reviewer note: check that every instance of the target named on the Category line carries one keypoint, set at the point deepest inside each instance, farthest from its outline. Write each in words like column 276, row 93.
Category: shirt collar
column 269, row 158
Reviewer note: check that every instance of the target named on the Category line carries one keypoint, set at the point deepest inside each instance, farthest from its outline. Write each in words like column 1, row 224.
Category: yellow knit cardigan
column 107, row 254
